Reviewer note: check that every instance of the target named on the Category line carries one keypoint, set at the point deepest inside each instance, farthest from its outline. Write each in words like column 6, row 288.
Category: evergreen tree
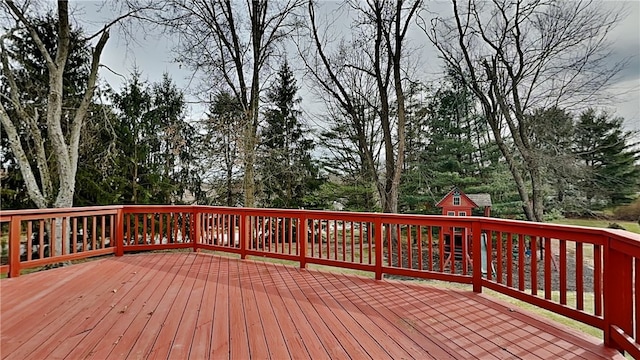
column 155, row 159
column 456, row 144
column 609, row 156
column 287, row 170
column 174, row 155
column 222, row 148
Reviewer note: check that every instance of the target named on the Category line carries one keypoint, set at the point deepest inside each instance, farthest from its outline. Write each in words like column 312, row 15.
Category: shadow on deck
column 190, row 305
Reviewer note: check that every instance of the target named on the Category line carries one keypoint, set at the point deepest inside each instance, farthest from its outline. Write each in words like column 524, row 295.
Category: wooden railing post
column 14, row 247
column 618, row 296
column 476, row 248
column 303, row 238
column 377, row 240
column 119, row 232
column 244, row 234
column 196, row 223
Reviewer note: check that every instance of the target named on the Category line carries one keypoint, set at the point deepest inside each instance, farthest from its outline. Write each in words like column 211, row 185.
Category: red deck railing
column 589, row 275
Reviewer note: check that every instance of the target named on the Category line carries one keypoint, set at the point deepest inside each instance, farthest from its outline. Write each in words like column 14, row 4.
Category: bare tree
column 518, row 56
column 381, row 32
column 46, row 150
column 231, row 44
column 45, row 186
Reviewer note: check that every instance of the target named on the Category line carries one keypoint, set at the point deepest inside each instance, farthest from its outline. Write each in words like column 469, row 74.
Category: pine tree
column 610, row 157
column 222, row 145
column 285, row 164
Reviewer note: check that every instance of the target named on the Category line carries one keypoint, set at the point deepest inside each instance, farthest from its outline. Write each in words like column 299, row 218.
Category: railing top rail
column 501, row 224
column 7, row 213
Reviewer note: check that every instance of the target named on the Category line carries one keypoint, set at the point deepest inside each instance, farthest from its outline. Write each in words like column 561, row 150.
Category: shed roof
column 482, row 200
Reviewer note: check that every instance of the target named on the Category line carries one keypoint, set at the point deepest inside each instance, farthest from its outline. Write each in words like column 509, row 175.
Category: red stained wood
column 597, row 279
column 509, row 260
column 563, row 272
column 579, row 277
column 186, row 305
column 547, row 268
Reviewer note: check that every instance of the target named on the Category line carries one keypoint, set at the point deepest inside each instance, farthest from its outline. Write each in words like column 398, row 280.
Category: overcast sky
column 153, row 56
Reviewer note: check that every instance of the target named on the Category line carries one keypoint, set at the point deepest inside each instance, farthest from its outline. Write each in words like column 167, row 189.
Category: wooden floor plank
column 258, row 329
column 332, row 318
column 130, row 327
column 238, row 334
column 184, row 336
column 145, row 342
column 201, row 343
column 368, row 333
column 289, row 309
column 277, row 346
column 103, row 328
column 137, row 327
column 292, row 336
column 45, row 326
column 220, row 337
column 13, row 296
column 176, row 310
column 418, row 343
column 440, row 311
column 188, row 305
column 50, row 299
column 313, row 314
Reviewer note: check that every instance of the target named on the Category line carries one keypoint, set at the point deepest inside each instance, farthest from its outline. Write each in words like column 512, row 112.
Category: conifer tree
column 609, row 155
column 287, row 170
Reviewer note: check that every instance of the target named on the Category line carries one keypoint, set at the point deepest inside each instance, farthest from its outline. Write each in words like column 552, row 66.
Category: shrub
column 629, row 212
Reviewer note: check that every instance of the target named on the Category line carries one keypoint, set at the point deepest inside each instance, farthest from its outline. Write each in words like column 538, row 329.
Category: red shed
column 457, row 203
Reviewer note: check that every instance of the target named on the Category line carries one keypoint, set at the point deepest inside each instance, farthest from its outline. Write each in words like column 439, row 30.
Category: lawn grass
column 596, row 223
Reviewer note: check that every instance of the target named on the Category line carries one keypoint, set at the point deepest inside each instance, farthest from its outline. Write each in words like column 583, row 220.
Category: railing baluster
column 499, row 256
column 441, row 247
column 579, row 277
column 344, row 241
column 597, row 280
column 509, row 257
column 521, row 262
column 430, row 246
column 53, row 238
column 378, row 243
column 563, row 272
column 94, row 228
column 74, row 235
column 335, row 239
column 533, row 242
column 303, row 240
column 547, row 268
column 29, row 239
column 419, row 240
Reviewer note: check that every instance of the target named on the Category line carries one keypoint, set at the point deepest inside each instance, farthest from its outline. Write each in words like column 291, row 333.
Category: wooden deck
column 188, row 305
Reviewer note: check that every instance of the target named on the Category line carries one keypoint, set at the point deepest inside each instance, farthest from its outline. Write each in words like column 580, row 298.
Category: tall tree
column 520, row 55
column 382, row 27
column 551, row 133
column 155, row 144
column 610, row 157
column 231, row 43
column 177, row 143
column 287, row 171
column 61, row 131
column 221, row 148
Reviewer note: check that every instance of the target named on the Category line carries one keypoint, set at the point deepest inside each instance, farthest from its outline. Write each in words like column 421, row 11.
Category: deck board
column 201, row 306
